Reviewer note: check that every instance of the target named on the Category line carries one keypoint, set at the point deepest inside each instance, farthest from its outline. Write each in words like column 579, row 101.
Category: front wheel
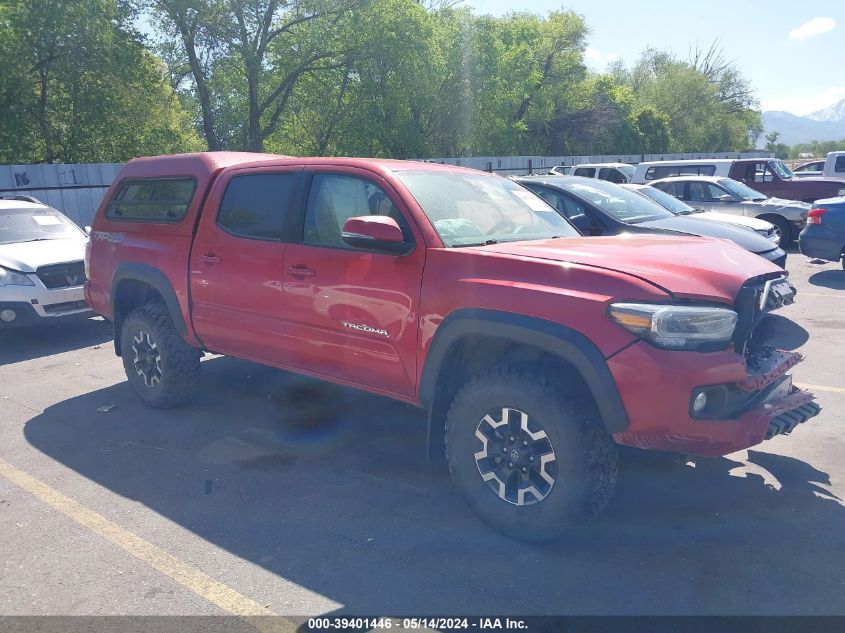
column 530, row 456
column 782, row 229
column 161, row 367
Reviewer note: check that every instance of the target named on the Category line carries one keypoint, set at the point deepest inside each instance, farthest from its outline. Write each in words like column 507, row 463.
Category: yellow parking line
column 821, row 388
column 201, row 584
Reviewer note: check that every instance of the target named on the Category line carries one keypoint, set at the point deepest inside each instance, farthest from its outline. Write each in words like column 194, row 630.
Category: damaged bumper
column 752, row 400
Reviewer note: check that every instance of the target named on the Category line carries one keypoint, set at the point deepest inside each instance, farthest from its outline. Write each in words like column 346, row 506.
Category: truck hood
column 27, row 257
column 690, row 267
column 748, row 240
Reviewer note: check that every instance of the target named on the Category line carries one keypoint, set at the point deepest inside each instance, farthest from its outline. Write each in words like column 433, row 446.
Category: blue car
column 824, row 235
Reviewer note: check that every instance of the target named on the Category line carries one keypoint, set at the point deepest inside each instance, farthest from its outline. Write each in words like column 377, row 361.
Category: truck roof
column 206, row 164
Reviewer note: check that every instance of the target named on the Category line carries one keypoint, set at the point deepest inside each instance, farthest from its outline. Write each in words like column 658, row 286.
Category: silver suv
column 41, row 264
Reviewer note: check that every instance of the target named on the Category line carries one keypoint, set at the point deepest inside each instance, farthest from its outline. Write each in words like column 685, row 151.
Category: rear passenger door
column 352, row 314
column 237, row 261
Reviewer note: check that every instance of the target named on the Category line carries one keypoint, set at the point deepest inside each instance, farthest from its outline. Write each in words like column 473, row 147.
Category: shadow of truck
column 327, row 487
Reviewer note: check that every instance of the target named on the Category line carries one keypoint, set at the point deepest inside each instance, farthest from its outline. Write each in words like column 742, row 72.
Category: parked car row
column 764, row 188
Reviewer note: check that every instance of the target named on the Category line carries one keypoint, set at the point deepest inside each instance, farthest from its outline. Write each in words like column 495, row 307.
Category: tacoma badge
column 364, row 328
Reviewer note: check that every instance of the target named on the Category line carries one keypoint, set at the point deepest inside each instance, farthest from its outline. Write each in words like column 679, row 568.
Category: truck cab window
column 256, row 206
column 334, row 198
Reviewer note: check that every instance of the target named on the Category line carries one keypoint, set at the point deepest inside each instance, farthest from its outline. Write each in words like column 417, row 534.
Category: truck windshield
column 623, row 204
column 473, row 209
column 35, row 223
column 784, row 172
column 740, row 190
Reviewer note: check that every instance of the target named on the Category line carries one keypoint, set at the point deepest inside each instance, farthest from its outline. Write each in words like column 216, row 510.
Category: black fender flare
column 554, row 338
column 157, row 280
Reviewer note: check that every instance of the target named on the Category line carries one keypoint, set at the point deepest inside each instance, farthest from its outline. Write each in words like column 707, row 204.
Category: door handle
column 300, row 270
column 210, row 258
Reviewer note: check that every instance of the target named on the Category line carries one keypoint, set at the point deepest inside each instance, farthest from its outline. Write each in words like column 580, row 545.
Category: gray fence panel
column 77, row 189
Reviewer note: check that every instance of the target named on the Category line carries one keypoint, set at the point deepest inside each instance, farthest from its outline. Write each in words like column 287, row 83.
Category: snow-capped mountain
column 825, row 125
column 836, row 112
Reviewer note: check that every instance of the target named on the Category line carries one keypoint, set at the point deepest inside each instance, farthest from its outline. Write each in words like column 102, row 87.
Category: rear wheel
column 161, row 367
column 530, row 457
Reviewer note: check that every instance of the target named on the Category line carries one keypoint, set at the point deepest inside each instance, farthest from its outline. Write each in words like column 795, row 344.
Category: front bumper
column 768, row 404
column 36, row 304
column 777, row 256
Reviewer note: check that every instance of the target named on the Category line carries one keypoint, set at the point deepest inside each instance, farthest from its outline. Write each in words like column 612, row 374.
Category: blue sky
column 792, row 51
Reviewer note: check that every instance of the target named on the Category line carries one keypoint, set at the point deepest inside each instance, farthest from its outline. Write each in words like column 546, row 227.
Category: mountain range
column 824, row 125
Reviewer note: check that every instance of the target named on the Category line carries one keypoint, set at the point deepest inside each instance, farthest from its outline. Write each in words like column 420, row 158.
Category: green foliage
column 391, row 78
column 816, row 148
column 82, row 86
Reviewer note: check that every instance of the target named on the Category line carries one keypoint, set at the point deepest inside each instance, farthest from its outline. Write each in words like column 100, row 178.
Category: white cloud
column 596, row 59
column 814, row 27
column 805, row 104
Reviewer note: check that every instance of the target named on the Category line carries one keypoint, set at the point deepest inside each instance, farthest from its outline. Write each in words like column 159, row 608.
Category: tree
column 772, row 140
column 259, row 50
column 84, row 88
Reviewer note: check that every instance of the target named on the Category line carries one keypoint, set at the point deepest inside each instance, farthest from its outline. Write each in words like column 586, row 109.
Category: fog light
column 699, row 403
column 8, row 316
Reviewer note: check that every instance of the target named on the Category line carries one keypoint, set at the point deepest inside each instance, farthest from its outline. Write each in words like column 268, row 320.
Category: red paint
column 368, row 320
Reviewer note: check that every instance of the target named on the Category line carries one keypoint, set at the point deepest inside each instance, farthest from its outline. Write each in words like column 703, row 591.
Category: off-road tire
column 586, row 456
column 179, row 362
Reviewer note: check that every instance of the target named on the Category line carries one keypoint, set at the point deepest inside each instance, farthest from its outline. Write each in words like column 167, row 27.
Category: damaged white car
column 41, row 264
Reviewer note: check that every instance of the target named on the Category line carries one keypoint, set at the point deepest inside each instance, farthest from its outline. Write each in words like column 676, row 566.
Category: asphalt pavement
column 273, row 493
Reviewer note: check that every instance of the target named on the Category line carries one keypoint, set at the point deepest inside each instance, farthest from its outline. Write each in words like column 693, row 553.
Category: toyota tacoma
column 535, row 351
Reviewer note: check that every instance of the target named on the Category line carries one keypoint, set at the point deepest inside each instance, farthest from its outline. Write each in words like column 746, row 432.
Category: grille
column 747, row 306
column 62, row 275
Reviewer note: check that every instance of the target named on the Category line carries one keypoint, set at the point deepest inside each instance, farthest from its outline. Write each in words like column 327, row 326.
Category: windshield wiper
column 485, row 243
column 37, row 239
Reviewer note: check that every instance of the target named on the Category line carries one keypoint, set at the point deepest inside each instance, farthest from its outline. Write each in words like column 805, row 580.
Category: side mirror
column 726, row 198
column 377, row 233
column 87, row 230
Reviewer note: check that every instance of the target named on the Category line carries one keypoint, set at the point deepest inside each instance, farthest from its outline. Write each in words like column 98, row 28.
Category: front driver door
column 352, row 314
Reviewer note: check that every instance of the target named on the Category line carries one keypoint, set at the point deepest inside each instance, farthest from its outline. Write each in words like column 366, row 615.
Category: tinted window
column 618, row 202
column 334, row 198
column 586, row 172
column 563, row 204
column 257, row 205
column 657, row 172
column 839, row 167
column 152, row 200
column 672, row 188
column 706, row 192
column 611, row 174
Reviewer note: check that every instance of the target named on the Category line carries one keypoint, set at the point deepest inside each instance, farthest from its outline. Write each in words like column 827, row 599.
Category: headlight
column 676, row 327
column 13, row 278
column 770, row 235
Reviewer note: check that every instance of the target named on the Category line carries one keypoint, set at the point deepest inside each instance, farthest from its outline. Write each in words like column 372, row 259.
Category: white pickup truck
column 834, row 165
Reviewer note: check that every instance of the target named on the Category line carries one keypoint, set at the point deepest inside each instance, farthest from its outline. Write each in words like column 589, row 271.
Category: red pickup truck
column 534, row 350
